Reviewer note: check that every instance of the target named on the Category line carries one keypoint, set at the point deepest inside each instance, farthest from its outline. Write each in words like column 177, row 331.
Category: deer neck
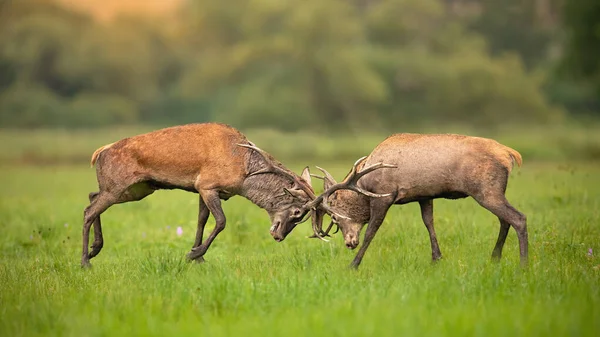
column 267, row 191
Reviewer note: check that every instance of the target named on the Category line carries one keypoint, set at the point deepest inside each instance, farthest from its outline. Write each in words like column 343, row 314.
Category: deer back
column 433, row 164
column 181, row 156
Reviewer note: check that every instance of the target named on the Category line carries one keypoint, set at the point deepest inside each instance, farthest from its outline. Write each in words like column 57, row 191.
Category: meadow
column 141, row 285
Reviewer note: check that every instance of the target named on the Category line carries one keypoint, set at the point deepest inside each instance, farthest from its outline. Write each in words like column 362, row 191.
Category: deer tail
column 515, row 156
column 97, row 153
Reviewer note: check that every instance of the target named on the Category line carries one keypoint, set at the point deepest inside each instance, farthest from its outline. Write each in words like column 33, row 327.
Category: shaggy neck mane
column 266, row 190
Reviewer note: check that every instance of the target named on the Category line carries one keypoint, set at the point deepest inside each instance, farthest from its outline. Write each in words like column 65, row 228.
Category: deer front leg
column 379, row 209
column 203, row 214
column 427, row 216
column 213, row 204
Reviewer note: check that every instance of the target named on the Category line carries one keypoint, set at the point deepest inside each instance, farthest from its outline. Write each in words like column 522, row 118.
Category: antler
column 329, row 228
column 318, row 232
column 326, row 177
column 350, row 183
column 320, row 202
column 272, row 168
column 317, row 225
column 326, row 232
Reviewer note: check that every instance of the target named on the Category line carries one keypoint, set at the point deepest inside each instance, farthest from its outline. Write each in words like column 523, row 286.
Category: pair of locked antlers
column 321, row 201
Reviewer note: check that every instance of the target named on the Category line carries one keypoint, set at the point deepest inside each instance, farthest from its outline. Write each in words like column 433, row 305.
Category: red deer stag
column 214, row 160
column 422, row 168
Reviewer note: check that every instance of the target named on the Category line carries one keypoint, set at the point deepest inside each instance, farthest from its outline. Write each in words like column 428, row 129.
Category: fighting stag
column 214, row 160
column 426, row 167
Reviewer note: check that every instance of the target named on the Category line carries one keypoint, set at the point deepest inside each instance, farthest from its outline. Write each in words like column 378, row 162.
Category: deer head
column 347, row 222
column 287, row 215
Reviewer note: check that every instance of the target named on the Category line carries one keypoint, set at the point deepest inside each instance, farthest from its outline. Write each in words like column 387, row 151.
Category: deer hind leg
column 427, row 216
column 98, row 240
column 504, row 227
column 507, row 214
column 100, row 202
column 213, row 204
column 203, row 214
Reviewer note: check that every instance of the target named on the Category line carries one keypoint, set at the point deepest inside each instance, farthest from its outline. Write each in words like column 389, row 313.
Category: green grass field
column 140, row 284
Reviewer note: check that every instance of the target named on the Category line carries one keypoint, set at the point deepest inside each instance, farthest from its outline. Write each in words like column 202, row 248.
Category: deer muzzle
column 351, row 240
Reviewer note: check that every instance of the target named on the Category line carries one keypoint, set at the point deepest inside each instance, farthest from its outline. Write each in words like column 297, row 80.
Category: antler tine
column 316, row 223
column 371, row 169
column 358, row 161
column 306, row 217
column 270, row 167
column 255, row 148
column 337, row 228
column 369, row 194
column 318, row 236
column 354, row 167
column 326, row 208
column 326, row 175
column 354, row 175
column 317, row 200
column 318, row 232
column 331, row 223
column 353, row 179
column 326, row 232
column 350, row 184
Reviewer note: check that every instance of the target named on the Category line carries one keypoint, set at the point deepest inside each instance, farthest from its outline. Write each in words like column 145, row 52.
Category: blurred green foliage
column 568, row 142
column 288, row 65
column 582, row 52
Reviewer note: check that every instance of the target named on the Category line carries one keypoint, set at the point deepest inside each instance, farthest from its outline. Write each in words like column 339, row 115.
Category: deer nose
column 352, row 244
column 277, row 237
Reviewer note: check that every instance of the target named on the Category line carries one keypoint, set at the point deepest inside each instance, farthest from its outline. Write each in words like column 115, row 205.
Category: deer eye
column 297, row 212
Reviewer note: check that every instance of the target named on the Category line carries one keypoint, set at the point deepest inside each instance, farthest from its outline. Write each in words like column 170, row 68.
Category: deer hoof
column 195, row 255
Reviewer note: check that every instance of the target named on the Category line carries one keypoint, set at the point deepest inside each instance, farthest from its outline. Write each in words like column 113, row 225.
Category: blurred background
column 303, row 78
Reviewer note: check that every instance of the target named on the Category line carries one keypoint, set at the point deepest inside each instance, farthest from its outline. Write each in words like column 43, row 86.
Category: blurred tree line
column 295, row 64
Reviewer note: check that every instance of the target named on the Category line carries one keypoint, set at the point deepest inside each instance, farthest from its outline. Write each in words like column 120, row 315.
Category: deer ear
column 295, row 193
column 306, row 176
